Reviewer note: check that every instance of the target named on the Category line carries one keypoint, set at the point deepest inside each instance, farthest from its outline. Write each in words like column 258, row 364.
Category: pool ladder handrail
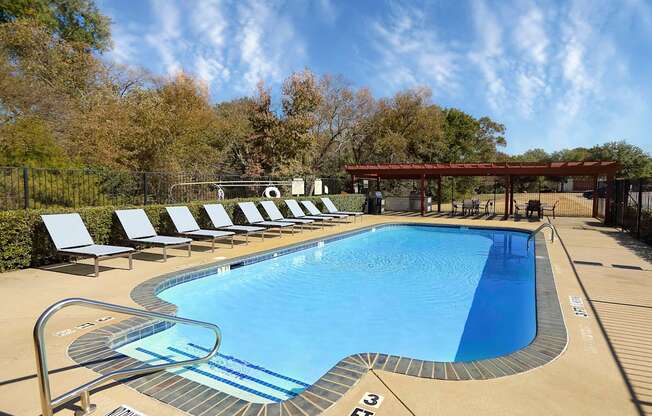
column 83, row 391
column 540, row 229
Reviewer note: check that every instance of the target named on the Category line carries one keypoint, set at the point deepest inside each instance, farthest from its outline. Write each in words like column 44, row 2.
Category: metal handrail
column 539, row 229
column 83, row 391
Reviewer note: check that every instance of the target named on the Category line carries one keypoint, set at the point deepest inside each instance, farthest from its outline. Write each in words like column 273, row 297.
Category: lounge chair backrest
column 272, row 210
column 135, row 223
column 218, row 215
column 467, row 203
column 251, row 212
column 182, row 219
column 67, row 230
column 312, row 209
column 329, row 205
column 295, row 209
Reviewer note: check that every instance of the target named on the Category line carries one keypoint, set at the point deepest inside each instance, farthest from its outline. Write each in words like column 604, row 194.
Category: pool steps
column 262, row 383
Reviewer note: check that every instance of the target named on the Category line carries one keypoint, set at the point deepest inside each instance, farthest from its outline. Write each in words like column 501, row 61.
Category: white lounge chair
column 221, row 221
column 332, row 209
column 185, row 224
column 313, row 210
column 70, row 237
column 254, row 218
column 275, row 215
column 140, row 230
column 297, row 212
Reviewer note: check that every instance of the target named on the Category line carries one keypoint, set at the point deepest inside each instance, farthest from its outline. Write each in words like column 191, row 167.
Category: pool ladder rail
column 83, row 392
column 540, row 229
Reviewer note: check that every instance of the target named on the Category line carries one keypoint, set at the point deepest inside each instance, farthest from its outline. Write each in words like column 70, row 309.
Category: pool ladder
column 83, row 391
column 540, row 229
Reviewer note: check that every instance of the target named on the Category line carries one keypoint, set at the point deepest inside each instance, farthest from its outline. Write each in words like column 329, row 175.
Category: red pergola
column 508, row 170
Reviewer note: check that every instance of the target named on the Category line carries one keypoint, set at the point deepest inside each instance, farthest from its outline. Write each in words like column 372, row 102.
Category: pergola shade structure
column 508, row 170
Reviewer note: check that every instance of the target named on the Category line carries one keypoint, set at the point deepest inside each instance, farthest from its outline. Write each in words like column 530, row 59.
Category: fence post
column 639, row 209
column 144, row 188
column 26, row 186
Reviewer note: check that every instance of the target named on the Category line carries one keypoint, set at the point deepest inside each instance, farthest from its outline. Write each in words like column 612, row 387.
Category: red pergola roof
column 417, row 170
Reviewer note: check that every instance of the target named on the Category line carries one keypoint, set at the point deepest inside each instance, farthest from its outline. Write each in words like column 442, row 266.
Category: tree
column 636, row 163
column 77, row 21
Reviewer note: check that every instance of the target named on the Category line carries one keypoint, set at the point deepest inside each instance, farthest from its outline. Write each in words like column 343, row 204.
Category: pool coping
column 96, row 350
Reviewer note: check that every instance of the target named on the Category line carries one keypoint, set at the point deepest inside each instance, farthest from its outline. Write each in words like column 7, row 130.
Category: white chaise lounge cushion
column 275, row 215
column 253, row 216
column 98, row 250
column 331, row 208
column 297, row 212
column 135, row 223
column 67, row 230
column 314, row 211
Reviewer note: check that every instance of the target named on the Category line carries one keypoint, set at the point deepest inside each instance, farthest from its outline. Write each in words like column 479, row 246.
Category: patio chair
column 454, row 206
column 140, row 230
column 313, row 210
column 297, row 212
column 71, row 238
column 332, row 209
column 467, row 206
column 222, row 222
column 489, row 204
column 548, row 208
column 254, row 218
column 274, row 214
column 518, row 207
column 186, row 225
column 533, row 205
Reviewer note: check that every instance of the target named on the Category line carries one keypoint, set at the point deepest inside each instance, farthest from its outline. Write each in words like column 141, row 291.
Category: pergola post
column 511, row 196
column 439, row 194
column 423, row 195
column 508, row 180
column 607, row 200
column 595, row 197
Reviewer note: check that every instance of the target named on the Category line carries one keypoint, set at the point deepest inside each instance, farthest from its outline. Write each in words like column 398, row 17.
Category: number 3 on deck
column 372, row 400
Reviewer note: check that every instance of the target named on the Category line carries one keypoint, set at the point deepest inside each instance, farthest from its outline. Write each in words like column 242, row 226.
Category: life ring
column 272, row 192
column 220, row 193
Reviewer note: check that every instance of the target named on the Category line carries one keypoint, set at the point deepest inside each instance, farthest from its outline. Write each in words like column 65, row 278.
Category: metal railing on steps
column 540, row 229
column 83, row 392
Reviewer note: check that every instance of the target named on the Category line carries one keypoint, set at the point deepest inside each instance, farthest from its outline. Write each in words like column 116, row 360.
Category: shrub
column 24, row 240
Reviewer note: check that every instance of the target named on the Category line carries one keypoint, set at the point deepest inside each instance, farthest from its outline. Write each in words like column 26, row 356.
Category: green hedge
column 24, row 241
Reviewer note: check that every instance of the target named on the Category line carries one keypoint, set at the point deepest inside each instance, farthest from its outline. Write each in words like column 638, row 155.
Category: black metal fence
column 631, row 207
column 22, row 188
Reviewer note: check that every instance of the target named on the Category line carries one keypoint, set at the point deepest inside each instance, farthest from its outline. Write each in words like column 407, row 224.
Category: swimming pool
column 429, row 293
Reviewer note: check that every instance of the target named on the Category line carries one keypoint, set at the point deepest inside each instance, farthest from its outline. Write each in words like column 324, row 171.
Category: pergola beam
column 415, row 171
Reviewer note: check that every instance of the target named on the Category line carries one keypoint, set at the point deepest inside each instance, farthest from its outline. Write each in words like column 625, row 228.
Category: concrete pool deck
column 597, row 374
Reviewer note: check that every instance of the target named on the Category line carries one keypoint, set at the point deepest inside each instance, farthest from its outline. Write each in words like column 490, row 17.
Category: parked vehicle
column 602, row 193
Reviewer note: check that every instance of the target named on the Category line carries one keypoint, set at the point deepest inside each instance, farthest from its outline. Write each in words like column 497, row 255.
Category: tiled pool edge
column 95, row 350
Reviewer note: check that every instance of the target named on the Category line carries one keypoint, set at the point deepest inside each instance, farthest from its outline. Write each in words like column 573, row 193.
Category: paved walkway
column 605, row 370
column 618, row 286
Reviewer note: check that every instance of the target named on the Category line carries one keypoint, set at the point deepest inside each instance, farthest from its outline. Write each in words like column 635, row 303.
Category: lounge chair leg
column 97, row 267
column 189, row 249
column 131, row 261
column 165, row 254
column 280, row 232
column 213, row 245
column 262, row 236
column 232, row 240
column 247, row 239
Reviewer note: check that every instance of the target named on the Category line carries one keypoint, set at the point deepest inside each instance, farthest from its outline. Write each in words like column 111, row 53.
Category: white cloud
column 410, row 52
column 267, row 43
column 530, row 35
column 165, row 35
column 488, row 54
column 328, row 11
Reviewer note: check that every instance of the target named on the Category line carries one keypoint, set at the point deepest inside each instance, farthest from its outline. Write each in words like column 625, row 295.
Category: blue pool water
column 431, row 293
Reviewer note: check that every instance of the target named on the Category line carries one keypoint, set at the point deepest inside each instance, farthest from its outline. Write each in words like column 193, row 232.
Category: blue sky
column 557, row 74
